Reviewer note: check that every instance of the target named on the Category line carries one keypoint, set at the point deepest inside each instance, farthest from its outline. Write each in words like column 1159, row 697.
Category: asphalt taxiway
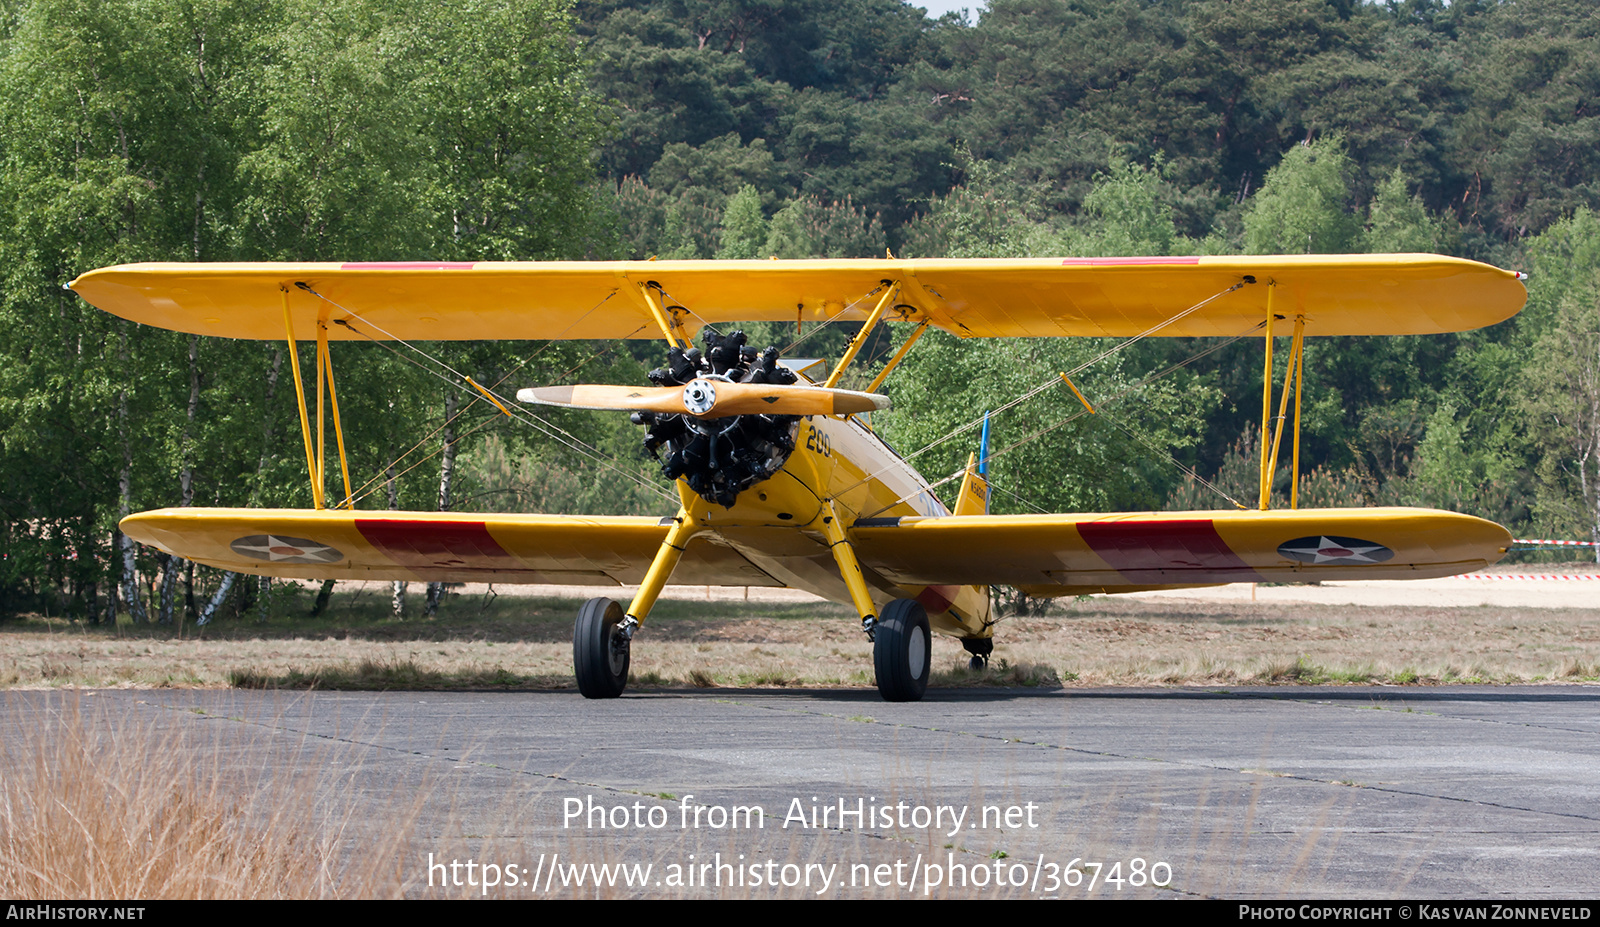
column 1278, row 792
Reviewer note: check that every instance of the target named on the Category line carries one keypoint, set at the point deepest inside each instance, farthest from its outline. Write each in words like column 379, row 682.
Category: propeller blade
column 702, row 398
column 754, row 398
column 664, row 399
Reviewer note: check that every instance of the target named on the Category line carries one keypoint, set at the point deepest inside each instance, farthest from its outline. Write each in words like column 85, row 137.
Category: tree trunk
column 244, row 597
column 447, row 467
column 1589, row 495
column 110, row 614
column 323, row 595
column 216, row 601
column 185, row 482
column 130, row 581
column 264, row 600
column 169, row 587
column 398, row 601
column 190, row 610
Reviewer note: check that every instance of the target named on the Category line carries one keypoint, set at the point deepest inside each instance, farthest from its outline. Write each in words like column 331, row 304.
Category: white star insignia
column 1327, row 550
column 275, row 549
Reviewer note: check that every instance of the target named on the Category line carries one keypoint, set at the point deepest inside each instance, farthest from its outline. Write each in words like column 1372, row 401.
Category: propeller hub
column 699, row 396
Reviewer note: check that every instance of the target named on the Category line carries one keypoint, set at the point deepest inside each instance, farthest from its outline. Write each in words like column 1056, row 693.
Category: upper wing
column 1338, row 295
column 1049, row 555
column 434, row 546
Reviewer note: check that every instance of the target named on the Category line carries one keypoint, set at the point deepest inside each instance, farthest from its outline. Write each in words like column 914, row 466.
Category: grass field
column 512, row 642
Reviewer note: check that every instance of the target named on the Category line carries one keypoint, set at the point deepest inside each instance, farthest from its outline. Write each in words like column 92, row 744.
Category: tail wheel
column 600, row 649
column 902, row 651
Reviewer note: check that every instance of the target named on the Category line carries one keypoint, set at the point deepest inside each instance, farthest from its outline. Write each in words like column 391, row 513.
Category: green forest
column 353, row 130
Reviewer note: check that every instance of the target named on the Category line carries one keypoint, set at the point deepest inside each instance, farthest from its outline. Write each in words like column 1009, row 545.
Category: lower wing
column 434, row 546
column 1054, row 555
column 1044, row 555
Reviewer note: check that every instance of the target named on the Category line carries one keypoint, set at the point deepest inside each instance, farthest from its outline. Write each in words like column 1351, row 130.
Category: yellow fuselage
column 776, row 524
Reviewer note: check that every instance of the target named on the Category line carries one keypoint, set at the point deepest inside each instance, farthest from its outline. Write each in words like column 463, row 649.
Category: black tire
column 902, row 651
column 599, row 651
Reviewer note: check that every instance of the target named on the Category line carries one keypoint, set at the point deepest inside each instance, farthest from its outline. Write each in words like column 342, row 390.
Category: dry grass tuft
column 93, row 806
column 1000, row 673
column 701, row 679
column 383, row 674
column 1300, row 672
column 1577, row 669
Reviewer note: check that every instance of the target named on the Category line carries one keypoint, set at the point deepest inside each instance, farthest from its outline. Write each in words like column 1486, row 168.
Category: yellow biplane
column 781, row 481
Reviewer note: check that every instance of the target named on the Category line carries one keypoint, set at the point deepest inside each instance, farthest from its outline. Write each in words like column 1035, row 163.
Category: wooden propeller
column 704, row 398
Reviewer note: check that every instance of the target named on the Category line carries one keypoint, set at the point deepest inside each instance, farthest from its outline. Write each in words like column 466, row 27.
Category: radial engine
column 721, row 457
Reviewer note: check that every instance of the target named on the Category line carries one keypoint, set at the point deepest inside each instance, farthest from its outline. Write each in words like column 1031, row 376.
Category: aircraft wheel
column 902, row 651
column 599, row 651
column 977, row 663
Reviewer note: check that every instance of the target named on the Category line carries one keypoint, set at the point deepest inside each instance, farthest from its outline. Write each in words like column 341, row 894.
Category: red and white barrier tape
column 1552, row 543
column 1564, row 577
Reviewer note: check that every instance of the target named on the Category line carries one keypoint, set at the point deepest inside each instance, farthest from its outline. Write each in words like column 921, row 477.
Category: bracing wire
column 670, row 302
column 363, row 492
column 548, row 428
column 1125, row 392
column 1020, row 499
column 1072, row 417
column 551, row 342
column 1056, row 381
column 1187, row 471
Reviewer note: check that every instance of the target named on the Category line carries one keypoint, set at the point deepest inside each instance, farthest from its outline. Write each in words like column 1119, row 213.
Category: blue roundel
column 1321, row 549
column 276, row 548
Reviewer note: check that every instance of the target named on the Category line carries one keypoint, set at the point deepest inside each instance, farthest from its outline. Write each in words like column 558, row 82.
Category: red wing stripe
column 1125, row 261
column 432, row 545
column 407, row 265
column 1153, row 552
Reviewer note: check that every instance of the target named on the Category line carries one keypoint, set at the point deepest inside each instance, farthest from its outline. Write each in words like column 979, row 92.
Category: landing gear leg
column 684, row 526
column 849, row 569
column 902, row 651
